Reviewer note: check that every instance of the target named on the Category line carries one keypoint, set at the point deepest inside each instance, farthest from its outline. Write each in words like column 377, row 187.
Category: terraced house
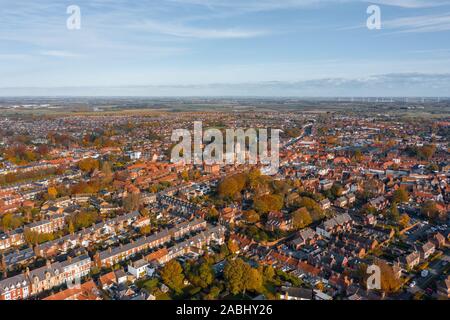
column 52, row 275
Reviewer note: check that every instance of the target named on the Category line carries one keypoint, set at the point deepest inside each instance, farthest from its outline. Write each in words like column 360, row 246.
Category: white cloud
column 179, row 30
column 425, row 23
column 60, row 54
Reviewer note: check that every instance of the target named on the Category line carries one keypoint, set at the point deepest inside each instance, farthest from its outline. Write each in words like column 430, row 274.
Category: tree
column 107, row 171
column 400, row 196
column 206, row 274
column 185, row 175
column 426, row 152
column 390, row 283
column 394, row 215
column 71, row 227
column 254, row 279
column 301, row 218
column 228, row 187
column 269, row 273
column 251, row 216
column 240, row 276
column 233, row 247
column 131, row 201
column 212, row 214
column 267, row 203
column 11, row 222
column 31, row 237
column 336, row 190
column 234, row 275
column 172, row 275
column 404, row 220
column 429, row 209
column 88, row 165
column 52, row 192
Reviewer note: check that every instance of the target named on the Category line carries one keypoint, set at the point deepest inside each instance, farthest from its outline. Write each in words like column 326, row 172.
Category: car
column 444, row 263
column 412, row 284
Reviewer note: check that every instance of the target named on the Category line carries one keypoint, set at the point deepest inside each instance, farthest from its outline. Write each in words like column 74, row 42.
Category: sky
column 225, row 47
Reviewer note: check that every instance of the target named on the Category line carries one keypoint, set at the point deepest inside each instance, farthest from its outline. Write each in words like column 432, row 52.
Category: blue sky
column 225, row 47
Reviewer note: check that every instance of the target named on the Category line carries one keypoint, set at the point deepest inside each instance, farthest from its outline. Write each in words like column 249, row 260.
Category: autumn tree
column 394, row 215
column 172, row 275
column 88, row 165
column 429, row 209
column 301, row 218
column 251, row 216
column 404, row 220
column 201, row 275
column 52, row 192
column 269, row 272
column 234, row 274
column 11, row 221
column 240, row 276
column 233, row 246
column 400, row 196
column 268, row 202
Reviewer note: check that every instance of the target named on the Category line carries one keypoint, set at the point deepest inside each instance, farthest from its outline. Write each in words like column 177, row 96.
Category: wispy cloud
column 412, row 3
column 60, row 54
column 424, row 23
column 398, row 84
column 179, row 30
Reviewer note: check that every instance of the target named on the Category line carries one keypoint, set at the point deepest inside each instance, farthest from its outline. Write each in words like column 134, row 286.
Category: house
column 86, row 291
column 341, row 202
column 159, row 257
column 325, row 204
column 369, row 219
column 305, row 236
column 57, row 222
column 427, row 250
column 138, row 268
column 443, row 288
column 228, row 215
column 351, row 198
column 412, row 259
column 11, row 239
column 108, row 280
column 325, row 185
column 379, row 203
column 292, row 293
column 121, row 276
column 212, row 169
column 15, row 288
column 438, row 240
column 278, row 221
column 336, row 224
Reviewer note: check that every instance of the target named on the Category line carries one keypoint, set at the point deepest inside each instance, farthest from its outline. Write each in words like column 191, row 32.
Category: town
column 93, row 208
